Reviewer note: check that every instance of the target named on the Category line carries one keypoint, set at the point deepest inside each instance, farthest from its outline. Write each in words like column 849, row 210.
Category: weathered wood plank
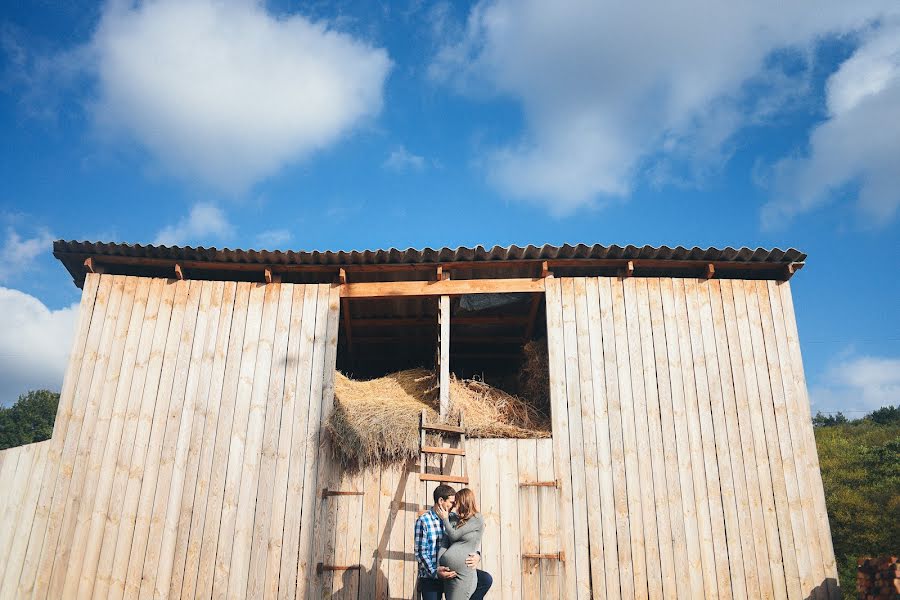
column 529, row 538
column 548, row 523
column 510, row 534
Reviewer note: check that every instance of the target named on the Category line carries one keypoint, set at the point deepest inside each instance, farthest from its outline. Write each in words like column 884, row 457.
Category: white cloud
column 273, row 239
column 205, row 223
column 609, row 89
column 17, row 252
column 858, row 146
column 223, row 91
column 858, row 384
column 34, row 344
column 401, row 159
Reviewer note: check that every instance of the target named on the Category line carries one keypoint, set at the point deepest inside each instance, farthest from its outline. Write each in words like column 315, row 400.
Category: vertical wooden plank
column 560, row 422
column 444, row 362
column 593, row 513
column 629, row 442
column 238, row 442
column 106, row 460
column 685, row 556
column 581, row 558
column 616, row 444
column 667, row 574
column 102, row 579
column 75, row 535
column 745, row 438
column 289, row 415
column 413, row 499
column 606, row 520
column 203, row 429
column 370, row 534
column 144, row 563
column 265, row 496
column 510, row 535
column 645, row 473
column 530, row 542
column 323, row 521
column 199, row 577
column 818, row 494
column 351, row 585
column 392, row 534
column 743, row 517
column 548, row 522
column 64, row 411
column 767, row 409
column 242, row 540
column 796, row 427
column 172, row 507
column 726, row 496
column 695, row 441
column 490, row 508
column 802, row 543
column 341, row 530
column 300, row 500
column 764, row 470
column 14, row 482
column 84, row 413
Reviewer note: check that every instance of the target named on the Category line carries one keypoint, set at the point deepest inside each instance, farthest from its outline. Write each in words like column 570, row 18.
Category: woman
column 462, row 537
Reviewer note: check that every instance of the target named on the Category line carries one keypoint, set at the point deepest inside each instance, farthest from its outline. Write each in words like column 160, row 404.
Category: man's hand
column 445, row 573
column 473, row 560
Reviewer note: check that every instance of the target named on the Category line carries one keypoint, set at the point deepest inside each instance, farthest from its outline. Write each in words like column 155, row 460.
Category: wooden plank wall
column 186, row 449
column 692, row 469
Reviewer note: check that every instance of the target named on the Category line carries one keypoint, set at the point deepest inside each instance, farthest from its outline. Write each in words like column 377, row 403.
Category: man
column 429, row 532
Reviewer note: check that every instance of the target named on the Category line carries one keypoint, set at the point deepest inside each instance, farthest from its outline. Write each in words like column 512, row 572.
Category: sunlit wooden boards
column 683, row 441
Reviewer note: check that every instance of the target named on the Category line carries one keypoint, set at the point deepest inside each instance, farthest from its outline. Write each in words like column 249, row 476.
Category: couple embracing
column 448, row 547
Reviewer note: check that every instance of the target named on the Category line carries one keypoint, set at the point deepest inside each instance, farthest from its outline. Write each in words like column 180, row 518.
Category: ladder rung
column 443, row 428
column 443, row 478
column 435, row 450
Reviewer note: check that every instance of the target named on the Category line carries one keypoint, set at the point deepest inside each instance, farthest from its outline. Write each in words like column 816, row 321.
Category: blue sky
column 412, row 124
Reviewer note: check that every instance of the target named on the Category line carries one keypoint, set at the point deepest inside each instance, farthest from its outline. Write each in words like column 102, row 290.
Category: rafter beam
column 445, row 287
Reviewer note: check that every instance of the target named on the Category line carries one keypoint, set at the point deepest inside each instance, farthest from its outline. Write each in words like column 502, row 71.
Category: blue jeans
column 433, row 589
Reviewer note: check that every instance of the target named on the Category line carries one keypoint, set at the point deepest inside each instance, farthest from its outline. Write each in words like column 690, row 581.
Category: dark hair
column 442, row 492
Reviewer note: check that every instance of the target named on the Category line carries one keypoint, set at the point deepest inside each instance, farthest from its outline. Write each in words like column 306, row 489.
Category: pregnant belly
column 455, row 559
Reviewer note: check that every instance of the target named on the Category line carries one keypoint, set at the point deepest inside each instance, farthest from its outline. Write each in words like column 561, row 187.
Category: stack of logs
column 878, row 578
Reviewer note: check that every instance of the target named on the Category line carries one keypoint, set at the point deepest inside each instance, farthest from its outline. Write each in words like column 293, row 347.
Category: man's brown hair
column 442, row 492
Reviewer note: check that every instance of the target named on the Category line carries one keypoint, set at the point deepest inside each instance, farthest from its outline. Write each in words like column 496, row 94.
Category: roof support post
column 179, row 272
column 710, row 271
column 444, row 354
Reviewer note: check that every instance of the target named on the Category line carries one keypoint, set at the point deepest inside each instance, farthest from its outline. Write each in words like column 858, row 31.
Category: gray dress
column 456, row 545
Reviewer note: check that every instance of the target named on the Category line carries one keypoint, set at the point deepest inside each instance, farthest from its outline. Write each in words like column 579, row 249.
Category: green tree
column 29, row 420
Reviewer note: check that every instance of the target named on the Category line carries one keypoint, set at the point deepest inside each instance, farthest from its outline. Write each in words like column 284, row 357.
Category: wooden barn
column 188, row 458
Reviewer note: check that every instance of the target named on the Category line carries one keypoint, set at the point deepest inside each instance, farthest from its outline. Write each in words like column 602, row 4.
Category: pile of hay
column 376, row 422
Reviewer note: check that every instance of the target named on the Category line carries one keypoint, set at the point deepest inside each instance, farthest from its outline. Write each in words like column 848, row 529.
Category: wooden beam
column 710, row 271
column 436, row 450
column 629, row 269
column 532, row 316
column 430, row 321
column 268, row 275
column 444, row 355
column 554, row 483
column 92, row 267
column 348, row 329
column 179, row 272
column 791, row 269
column 385, row 339
column 446, row 287
column 443, row 478
column 545, row 269
column 342, row 276
column 555, row 556
column 326, row 493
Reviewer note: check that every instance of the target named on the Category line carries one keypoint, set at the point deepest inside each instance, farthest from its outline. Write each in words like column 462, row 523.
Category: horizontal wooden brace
column 554, row 556
column 443, row 478
column 326, row 493
column 442, row 428
column 554, row 483
column 445, row 287
column 450, row 451
column 320, row 568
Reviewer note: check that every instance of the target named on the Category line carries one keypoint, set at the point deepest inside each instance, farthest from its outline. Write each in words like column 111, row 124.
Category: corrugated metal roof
column 428, row 255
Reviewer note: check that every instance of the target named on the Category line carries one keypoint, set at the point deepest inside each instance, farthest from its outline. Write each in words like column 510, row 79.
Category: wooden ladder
column 441, row 451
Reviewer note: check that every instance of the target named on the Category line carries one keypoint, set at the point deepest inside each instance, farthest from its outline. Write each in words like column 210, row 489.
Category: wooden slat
column 201, row 553
column 529, row 538
column 105, row 460
column 548, row 529
column 444, row 450
column 692, row 417
column 606, row 505
column 560, row 424
column 489, row 474
column 370, row 534
column 642, row 442
column 443, row 478
column 444, row 356
column 443, row 428
column 102, row 579
column 667, row 575
column 510, row 535
column 686, row 555
column 584, row 441
column 764, row 471
column 14, row 481
column 789, row 555
column 242, row 542
column 446, row 287
column 617, row 450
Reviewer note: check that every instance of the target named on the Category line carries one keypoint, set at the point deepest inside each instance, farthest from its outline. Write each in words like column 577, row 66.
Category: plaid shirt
column 429, row 533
